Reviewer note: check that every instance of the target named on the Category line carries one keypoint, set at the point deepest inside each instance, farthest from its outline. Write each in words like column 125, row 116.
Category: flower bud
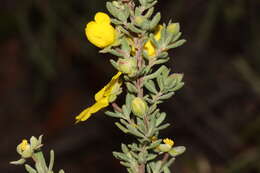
column 139, row 106
column 173, row 28
column 127, row 66
column 139, row 20
column 142, row 22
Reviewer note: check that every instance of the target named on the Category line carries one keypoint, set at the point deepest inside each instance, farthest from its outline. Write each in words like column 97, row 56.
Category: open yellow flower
column 148, row 46
column 100, row 32
column 105, row 96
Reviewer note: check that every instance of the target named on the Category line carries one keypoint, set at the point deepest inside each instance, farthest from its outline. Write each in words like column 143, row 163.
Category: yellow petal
column 106, row 91
column 149, row 47
column 84, row 115
column 102, row 18
column 157, row 33
column 100, row 34
column 100, row 94
column 168, row 142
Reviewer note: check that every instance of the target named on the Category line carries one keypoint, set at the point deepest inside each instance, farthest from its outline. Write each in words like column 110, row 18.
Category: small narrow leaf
column 160, row 119
column 121, row 127
column 131, row 87
column 30, row 169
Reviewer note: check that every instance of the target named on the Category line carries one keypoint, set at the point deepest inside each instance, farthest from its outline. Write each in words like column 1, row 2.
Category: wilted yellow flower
column 24, row 149
column 23, row 145
column 100, row 32
column 103, row 98
column 168, row 143
column 149, row 47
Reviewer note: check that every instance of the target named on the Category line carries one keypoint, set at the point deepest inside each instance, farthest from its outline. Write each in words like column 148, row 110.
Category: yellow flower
column 148, row 46
column 103, row 98
column 167, row 146
column 23, row 145
column 24, row 149
column 100, row 32
column 168, row 142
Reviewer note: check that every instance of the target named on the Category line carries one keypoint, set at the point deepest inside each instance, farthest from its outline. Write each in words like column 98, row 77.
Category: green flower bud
column 142, row 22
column 139, row 106
column 173, row 28
column 139, row 20
column 127, row 66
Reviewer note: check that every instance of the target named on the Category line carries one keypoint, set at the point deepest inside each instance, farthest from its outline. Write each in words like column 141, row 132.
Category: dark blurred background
column 49, row 72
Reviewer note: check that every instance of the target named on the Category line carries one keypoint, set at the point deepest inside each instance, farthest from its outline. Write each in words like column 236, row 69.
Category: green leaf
column 116, row 22
column 167, row 96
column 163, row 126
column 168, row 164
column 114, row 114
column 121, row 127
column 155, row 74
column 157, row 166
column 176, row 44
column 166, row 170
column 121, row 156
column 148, row 168
column 178, row 86
column 126, row 111
column 155, row 21
column 18, row 162
column 160, row 82
column 61, row 171
column 154, row 144
column 126, row 164
column 149, row 13
column 123, row 30
column 153, row 109
column 114, row 64
column 142, row 2
column 175, row 151
column 50, row 167
column 140, row 124
column 30, row 169
column 162, row 55
column 125, row 47
column 150, row 86
column 152, row 3
column 176, row 37
column 134, row 29
column 124, row 148
column 131, row 87
column 161, row 61
column 129, row 98
column 160, row 119
column 134, row 131
column 170, row 82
